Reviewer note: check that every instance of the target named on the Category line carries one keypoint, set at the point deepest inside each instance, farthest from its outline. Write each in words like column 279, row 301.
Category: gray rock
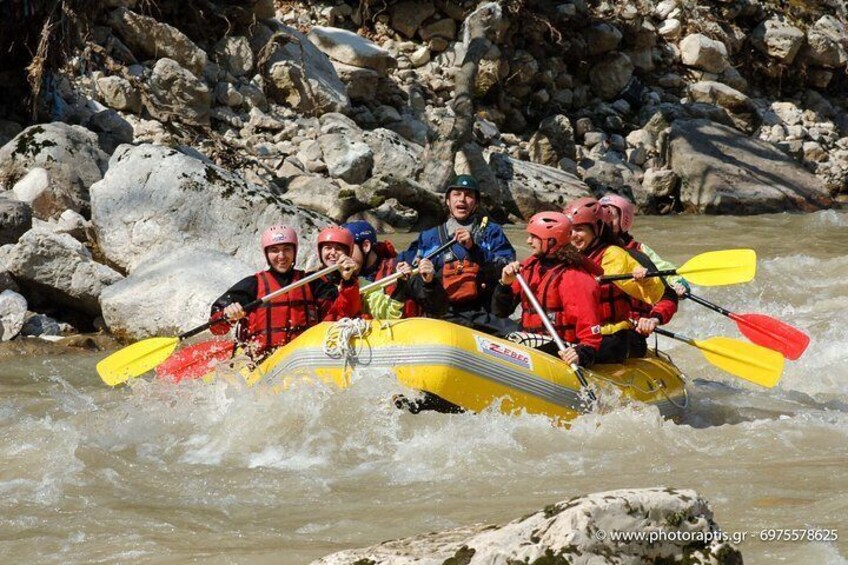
column 611, row 75
column 778, row 39
column 659, row 183
column 13, row 309
column 553, row 141
column 701, row 52
column 111, row 128
column 408, row 15
column 170, row 293
column 361, row 83
column 601, row 38
column 351, row 49
column 15, row 220
column 393, row 213
column 234, row 55
column 393, row 155
column 176, row 94
column 117, row 92
column 228, row 95
column 154, row 39
column 670, row 29
column 378, row 189
column 60, row 268
column 346, row 158
column 325, row 196
column 724, row 172
column 743, row 112
column 154, row 199
column 70, row 161
column 568, row 532
column 444, row 28
column 41, row 325
column 826, row 43
column 299, row 75
column 253, row 96
column 529, row 188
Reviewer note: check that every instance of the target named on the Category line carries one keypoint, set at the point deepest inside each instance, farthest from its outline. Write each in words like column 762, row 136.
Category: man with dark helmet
column 471, row 267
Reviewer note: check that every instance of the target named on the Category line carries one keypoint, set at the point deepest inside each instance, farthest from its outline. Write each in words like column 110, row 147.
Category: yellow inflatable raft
column 465, row 368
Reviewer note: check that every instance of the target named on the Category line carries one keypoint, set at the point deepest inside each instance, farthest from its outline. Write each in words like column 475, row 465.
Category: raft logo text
column 765, row 535
column 504, row 352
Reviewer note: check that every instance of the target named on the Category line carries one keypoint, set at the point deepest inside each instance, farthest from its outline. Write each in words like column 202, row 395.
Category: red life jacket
column 544, row 282
column 286, row 317
column 615, row 303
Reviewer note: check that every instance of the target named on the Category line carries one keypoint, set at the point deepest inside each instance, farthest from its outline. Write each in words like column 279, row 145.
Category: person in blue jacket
column 470, row 268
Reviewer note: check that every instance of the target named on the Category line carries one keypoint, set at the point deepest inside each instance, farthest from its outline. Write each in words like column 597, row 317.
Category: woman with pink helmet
column 289, row 315
column 564, row 284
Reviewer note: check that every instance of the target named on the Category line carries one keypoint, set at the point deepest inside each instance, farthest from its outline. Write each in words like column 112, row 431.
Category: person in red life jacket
column 470, row 268
column 592, row 237
column 409, row 297
column 286, row 317
column 564, row 285
column 646, row 317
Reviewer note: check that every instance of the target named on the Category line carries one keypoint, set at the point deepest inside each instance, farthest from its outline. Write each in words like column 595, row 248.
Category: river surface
column 220, row 473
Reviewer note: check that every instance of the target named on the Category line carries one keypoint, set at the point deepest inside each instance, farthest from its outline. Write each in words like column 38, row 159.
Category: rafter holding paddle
column 138, row 358
column 578, row 370
column 713, row 268
column 763, row 330
column 748, row 361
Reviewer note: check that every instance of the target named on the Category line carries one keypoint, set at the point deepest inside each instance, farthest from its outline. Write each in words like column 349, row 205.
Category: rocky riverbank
column 167, row 136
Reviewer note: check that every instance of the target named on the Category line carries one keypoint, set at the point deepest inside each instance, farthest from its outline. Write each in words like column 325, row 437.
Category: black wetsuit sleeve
column 243, row 292
column 504, row 301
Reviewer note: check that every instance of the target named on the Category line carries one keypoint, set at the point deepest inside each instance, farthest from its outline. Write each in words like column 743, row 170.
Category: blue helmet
column 361, row 231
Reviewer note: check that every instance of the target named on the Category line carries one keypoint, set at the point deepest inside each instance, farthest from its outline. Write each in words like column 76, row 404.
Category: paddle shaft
column 678, row 337
column 710, row 305
column 265, row 299
column 578, row 370
column 386, row 281
column 625, row 276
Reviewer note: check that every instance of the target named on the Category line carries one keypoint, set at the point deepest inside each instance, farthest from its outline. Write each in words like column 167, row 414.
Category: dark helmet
column 463, row 181
column 361, row 231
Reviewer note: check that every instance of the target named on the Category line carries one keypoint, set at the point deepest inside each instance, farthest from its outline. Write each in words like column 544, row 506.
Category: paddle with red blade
column 196, row 360
column 764, row 330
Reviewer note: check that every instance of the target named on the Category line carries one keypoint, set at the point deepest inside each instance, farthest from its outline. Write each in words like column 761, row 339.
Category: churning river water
column 220, row 473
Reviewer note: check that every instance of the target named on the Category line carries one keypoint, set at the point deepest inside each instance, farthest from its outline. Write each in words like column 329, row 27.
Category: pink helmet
column 336, row 234
column 587, row 210
column 276, row 235
column 626, row 210
column 550, row 225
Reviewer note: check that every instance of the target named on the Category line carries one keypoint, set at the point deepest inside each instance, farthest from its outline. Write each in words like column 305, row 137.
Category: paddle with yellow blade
column 748, row 361
column 714, row 268
column 763, row 330
column 138, row 358
column 578, row 370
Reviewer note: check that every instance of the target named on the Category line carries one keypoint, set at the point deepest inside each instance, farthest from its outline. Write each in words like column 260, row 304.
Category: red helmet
column 626, row 210
column 276, row 235
column 550, row 225
column 587, row 210
column 336, row 234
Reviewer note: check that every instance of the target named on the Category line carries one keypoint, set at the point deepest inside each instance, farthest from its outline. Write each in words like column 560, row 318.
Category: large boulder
column 347, row 47
column 234, row 55
column 346, row 158
column 154, row 39
column 611, row 75
column 661, row 525
column 724, row 172
column 827, row 43
column 527, row 188
column 299, row 75
column 176, row 94
column 553, row 141
column 154, row 199
column 55, row 165
column 778, row 39
column 170, row 293
column 59, row 269
column 741, row 110
column 393, row 154
column 699, row 51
